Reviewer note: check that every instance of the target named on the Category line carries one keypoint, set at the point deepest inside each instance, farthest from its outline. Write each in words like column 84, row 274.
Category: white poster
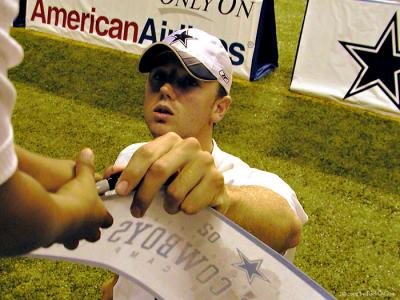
column 133, row 25
column 203, row 256
column 349, row 51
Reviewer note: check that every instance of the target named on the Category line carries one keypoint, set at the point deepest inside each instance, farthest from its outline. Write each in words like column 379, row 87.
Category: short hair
column 221, row 91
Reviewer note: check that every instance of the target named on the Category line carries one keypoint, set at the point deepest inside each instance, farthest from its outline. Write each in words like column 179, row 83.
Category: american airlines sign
column 131, row 25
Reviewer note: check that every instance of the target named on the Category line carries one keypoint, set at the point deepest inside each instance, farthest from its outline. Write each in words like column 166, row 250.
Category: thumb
column 85, row 163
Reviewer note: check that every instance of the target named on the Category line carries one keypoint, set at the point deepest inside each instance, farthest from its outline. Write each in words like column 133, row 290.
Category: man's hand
column 79, row 199
column 192, row 180
column 51, row 173
column 31, row 217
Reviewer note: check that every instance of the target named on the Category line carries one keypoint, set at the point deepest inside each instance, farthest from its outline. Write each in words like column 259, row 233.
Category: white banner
column 349, row 51
column 203, row 256
column 133, row 25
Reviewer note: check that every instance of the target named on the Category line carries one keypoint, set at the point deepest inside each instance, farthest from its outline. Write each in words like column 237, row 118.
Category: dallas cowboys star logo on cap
column 182, row 37
column 380, row 64
column 250, row 267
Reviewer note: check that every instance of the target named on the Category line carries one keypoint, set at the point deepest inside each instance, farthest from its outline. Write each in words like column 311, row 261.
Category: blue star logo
column 182, row 38
column 250, row 267
column 380, row 64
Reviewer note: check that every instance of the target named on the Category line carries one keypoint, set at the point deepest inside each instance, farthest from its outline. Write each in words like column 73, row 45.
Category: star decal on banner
column 380, row 64
column 182, row 37
column 250, row 267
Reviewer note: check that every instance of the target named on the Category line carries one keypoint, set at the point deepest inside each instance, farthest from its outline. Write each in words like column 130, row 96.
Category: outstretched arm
column 31, row 217
column 51, row 173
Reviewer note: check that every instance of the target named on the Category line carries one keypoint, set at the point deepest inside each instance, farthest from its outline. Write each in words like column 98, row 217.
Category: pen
column 107, row 184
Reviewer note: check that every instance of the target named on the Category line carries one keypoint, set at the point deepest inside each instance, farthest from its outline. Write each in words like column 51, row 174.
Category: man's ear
column 220, row 108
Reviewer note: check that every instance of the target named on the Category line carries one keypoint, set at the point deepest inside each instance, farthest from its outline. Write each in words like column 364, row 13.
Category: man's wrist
column 224, row 201
column 68, row 216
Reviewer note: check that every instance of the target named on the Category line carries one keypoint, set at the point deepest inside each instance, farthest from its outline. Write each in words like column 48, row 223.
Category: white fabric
column 236, row 172
column 11, row 54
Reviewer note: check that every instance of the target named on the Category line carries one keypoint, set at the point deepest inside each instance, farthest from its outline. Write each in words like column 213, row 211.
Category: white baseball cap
column 200, row 53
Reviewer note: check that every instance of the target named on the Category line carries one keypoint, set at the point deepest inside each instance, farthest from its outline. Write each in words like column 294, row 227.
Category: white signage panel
column 349, row 51
column 246, row 27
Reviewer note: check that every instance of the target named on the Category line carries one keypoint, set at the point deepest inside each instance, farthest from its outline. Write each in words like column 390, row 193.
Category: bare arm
column 200, row 184
column 31, row 217
column 51, row 173
column 263, row 213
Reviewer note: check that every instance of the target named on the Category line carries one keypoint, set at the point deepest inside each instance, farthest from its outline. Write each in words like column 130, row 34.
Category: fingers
column 112, row 170
column 90, row 232
column 196, row 186
column 85, row 210
column 90, row 236
column 181, row 154
column 205, row 194
column 156, row 162
column 71, row 244
column 100, row 215
column 141, row 161
column 85, row 164
column 97, row 177
column 159, row 173
column 181, row 186
column 93, row 236
column 107, row 220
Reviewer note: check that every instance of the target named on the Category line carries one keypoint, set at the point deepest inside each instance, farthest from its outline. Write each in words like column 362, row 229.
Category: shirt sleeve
column 8, row 158
column 11, row 54
column 126, row 154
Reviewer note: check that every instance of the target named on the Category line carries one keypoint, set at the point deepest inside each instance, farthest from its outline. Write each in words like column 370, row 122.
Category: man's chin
column 161, row 129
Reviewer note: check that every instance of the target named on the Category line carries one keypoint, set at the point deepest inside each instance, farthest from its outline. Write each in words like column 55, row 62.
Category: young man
column 187, row 93
column 42, row 200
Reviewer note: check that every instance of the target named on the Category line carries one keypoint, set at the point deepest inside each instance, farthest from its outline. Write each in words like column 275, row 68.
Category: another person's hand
column 192, row 179
column 52, row 173
column 78, row 198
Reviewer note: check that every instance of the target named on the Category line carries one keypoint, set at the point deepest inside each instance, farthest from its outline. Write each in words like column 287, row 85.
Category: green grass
column 343, row 163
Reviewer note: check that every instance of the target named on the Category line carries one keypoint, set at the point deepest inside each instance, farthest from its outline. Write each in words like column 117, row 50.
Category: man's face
column 175, row 101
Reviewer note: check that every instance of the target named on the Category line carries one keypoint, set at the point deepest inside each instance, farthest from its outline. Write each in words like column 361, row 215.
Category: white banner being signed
column 203, row 256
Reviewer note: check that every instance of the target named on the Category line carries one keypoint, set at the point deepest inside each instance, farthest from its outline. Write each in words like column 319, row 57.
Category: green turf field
column 343, row 163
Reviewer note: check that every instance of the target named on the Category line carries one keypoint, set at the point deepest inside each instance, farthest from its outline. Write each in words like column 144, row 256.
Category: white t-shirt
column 236, row 172
column 11, row 54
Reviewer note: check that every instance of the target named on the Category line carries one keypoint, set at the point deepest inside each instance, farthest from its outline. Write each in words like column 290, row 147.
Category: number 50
column 207, row 231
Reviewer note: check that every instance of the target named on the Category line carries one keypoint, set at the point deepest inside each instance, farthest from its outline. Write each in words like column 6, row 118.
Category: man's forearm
column 264, row 214
column 29, row 216
column 50, row 173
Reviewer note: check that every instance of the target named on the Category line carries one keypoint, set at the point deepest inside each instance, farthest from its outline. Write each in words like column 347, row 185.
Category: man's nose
column 168, row 90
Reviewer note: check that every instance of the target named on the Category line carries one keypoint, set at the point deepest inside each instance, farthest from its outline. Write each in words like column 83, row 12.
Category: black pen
column 107, row 184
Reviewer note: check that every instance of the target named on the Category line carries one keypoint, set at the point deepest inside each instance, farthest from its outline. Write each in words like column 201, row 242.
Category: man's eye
column 158, row 76
column 157, row 80
column 188, row 82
